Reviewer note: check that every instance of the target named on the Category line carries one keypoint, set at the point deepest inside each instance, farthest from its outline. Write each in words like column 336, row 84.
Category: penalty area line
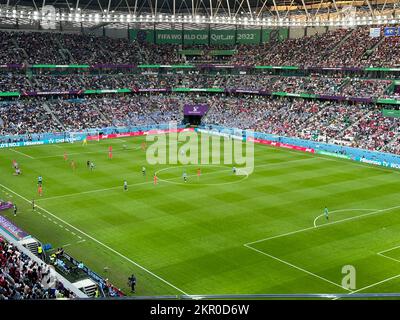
column 370, row 286
column 341, row 210
column 296, row 267
column 324, row 225
column 100, row 243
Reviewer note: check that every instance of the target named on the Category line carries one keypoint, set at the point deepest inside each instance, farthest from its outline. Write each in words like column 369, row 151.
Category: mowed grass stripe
column 193, row 235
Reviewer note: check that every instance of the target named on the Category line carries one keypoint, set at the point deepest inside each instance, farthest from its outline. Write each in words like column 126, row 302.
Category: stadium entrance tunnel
column 192, row 120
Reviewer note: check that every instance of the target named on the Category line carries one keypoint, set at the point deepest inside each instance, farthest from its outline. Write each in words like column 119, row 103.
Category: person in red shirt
column 155, row 179
column 110, row 149
column 40, row 190
column 110, row 155
column 65, row 156
column 198, row 173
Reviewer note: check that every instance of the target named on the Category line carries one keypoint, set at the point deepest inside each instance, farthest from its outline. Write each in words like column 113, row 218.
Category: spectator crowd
column 335, row 48
column 358, row 125
column 22, row 278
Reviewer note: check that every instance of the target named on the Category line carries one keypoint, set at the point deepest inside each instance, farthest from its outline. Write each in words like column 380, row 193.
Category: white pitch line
column 371, row 285
column 78, row 153
column 91, row 191
column 149, row 182
column 101, row 243
column 296, row 267
column 24, row 154
column 323, row 225
column 389, row 249
column 387, row 257
column 341, row 210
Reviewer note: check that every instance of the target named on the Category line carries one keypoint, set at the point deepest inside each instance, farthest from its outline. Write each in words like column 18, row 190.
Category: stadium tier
column 23, row 278
column 336, row 48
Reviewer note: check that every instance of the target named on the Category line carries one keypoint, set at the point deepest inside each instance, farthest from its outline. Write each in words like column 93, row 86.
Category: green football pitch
column 217, row 234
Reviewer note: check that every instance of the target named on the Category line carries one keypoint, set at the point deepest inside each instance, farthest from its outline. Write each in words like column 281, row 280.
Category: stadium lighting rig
column 78, row 16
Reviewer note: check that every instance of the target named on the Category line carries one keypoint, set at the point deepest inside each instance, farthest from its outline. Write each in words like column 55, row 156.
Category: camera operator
column 132, row 282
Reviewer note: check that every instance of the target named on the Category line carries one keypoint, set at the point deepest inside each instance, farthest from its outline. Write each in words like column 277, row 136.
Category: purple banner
column 325, row 97
column 247, row 91
column 43, row 93
column 5, row 205
column 333, row 68
column 195, row 109
column 151, row 89
column 360, row 99
column 14, row 65
column 12, row 229
column 341, row 98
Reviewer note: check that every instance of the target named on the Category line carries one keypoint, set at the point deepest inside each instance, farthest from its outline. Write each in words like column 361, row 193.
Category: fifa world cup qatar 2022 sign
column 200, row 37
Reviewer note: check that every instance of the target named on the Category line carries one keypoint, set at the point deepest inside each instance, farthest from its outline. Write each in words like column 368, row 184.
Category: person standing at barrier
column 40, row 251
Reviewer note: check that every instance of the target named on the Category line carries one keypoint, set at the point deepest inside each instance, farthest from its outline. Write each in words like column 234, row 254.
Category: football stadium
column 192, row 150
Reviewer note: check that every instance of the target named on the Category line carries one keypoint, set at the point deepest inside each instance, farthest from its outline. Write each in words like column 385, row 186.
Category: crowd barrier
column 361, row 155
column 344, row 152
column 12, row 141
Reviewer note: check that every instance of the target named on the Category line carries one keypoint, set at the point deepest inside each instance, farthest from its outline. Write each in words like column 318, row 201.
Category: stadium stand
column 359, row 125
column 327, row 50
column 23, row 278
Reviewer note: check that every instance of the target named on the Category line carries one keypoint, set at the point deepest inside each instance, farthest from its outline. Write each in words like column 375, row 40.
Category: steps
column 31, row 244
column 87, row 286
column 338, row 45
column 49, row 111
column 395, row 138
column 369, row 51
column 355, row 123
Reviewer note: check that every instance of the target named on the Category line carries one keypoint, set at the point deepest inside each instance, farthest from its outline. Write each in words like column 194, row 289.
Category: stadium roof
column 306, row 12
column 201, row 6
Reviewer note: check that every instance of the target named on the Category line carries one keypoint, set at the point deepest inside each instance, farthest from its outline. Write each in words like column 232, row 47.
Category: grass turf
column 220, row 234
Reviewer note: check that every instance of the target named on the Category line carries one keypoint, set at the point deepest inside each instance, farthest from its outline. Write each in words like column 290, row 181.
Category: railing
column 361, row 155
column 71, row 136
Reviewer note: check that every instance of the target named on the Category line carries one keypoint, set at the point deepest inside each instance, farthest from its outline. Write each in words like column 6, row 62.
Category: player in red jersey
column 40, row 190
column 155, row 179
column 198, row 173
column 110, row 155
column 65, row 156
column 110, row 149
